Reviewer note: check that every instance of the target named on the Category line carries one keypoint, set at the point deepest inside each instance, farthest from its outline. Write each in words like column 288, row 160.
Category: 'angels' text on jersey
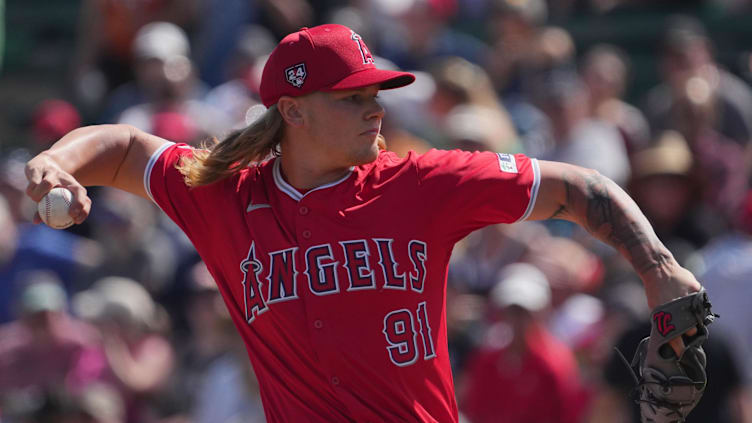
column 321, row 262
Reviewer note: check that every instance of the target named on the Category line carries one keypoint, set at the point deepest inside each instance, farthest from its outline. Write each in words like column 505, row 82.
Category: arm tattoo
column 611, row 216
column 559, row 213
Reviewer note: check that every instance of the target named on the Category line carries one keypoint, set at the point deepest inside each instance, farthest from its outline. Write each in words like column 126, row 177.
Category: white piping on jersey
column 150, row 166
column 291, row 191
column 533, row 190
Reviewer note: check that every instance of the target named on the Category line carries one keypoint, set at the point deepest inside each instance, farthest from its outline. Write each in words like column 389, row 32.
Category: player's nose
column 375, row 110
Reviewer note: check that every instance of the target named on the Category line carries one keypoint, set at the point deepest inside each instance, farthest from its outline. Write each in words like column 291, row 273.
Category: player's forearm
column 608, row 213
column 93, row 154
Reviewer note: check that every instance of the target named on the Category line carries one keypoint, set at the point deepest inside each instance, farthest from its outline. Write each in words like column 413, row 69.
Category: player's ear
column 291, row 110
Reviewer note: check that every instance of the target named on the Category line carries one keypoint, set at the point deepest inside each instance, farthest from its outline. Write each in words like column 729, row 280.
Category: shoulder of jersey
column 390, row 158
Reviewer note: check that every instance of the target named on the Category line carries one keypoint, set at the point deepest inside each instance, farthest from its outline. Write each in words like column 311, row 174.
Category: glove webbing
column 667, row 383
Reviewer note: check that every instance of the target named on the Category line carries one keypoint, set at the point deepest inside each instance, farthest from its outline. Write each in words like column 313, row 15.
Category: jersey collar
column 294, row 193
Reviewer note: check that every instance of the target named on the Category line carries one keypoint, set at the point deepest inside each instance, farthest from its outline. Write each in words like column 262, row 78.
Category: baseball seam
column 47, row 207
column 67, row 204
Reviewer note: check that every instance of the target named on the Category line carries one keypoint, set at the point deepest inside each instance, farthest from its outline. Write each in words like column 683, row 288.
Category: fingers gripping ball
column 53, row 209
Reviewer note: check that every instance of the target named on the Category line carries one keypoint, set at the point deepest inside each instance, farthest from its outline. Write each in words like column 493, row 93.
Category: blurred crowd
column 118, row 321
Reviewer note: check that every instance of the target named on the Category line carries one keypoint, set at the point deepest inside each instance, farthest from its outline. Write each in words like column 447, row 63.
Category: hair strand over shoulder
column 217, row 160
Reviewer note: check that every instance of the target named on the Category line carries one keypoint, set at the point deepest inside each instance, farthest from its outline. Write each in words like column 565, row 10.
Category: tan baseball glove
column 668, row 387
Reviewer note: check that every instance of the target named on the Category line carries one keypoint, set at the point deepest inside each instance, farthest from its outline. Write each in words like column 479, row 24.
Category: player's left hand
column 664, row 286
column 669, row 387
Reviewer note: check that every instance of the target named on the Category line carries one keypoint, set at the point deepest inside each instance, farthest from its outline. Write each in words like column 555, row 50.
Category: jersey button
column 303, row 210
column 318, row 324
column 335, row 380
column 306, row 234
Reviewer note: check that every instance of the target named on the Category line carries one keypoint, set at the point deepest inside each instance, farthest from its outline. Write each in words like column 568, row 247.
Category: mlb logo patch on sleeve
column 507, row 163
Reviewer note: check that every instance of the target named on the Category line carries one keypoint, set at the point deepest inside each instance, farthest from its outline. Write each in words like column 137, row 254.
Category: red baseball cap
column 323, row 58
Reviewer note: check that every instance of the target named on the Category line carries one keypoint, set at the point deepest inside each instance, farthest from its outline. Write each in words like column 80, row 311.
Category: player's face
column 345, row 124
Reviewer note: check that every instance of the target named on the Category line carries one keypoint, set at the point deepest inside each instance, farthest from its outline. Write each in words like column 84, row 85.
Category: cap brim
column 386, row 79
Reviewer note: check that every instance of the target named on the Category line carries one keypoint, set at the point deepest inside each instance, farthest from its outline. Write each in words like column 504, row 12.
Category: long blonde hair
column 217, row 160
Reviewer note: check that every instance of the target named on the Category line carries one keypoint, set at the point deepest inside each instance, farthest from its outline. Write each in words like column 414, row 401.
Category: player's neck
column 304, row 172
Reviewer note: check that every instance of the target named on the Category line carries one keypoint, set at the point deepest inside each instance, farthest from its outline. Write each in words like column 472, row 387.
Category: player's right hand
column 43, row 174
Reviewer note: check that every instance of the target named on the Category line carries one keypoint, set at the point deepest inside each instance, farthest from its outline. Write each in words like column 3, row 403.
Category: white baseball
column 53, row 209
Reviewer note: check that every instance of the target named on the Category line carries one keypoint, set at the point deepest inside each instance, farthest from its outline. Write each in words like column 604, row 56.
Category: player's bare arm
column 599, row 205
column 107, row 155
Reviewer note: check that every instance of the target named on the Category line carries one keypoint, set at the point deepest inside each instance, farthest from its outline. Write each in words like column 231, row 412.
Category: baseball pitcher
column 332, row 255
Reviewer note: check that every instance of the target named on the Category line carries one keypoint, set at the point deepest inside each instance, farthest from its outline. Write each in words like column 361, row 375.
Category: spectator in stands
column 521, row 362
column 709, row 106
column 664, row 187
column 241, row 91
column 726, row 274
column 165, row 98
column 139, row 357
column 514, row 29
column 465, row 108
column 578, row 138
column 426, row 35
column 104, row 58
column 46, row 348
column 605, row 71
column 133, row 241
column 693, row 79
column 214, row 380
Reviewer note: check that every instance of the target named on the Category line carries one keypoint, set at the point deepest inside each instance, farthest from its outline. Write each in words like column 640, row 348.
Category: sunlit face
column 344, row 125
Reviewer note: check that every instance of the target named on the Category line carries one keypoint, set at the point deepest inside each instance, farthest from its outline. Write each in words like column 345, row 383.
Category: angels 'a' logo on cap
column 364, row 52
column 296, row 75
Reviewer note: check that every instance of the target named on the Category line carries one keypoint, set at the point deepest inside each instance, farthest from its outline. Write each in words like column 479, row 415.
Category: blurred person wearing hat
column 139, row 358
column 166, row 96
column 668, row 191
column 710, row 107
column 520, row 362
column 46, row 348
column 103, row 56
column 331, row 254
column 464, row 108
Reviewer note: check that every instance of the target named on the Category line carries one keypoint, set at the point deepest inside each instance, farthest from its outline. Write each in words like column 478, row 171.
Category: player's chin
column 366, row 155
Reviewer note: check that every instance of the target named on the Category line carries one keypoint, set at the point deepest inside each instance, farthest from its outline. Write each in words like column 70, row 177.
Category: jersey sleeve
column 190, row 208
column 475, row 189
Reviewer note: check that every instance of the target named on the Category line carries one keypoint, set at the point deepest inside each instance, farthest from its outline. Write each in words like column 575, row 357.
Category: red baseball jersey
column 339, row 292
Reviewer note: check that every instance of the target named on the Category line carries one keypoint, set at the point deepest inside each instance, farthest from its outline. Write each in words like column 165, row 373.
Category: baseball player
column 330, row 254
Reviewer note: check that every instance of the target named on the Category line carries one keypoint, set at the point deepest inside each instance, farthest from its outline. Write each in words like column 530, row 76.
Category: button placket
column 303, row 210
